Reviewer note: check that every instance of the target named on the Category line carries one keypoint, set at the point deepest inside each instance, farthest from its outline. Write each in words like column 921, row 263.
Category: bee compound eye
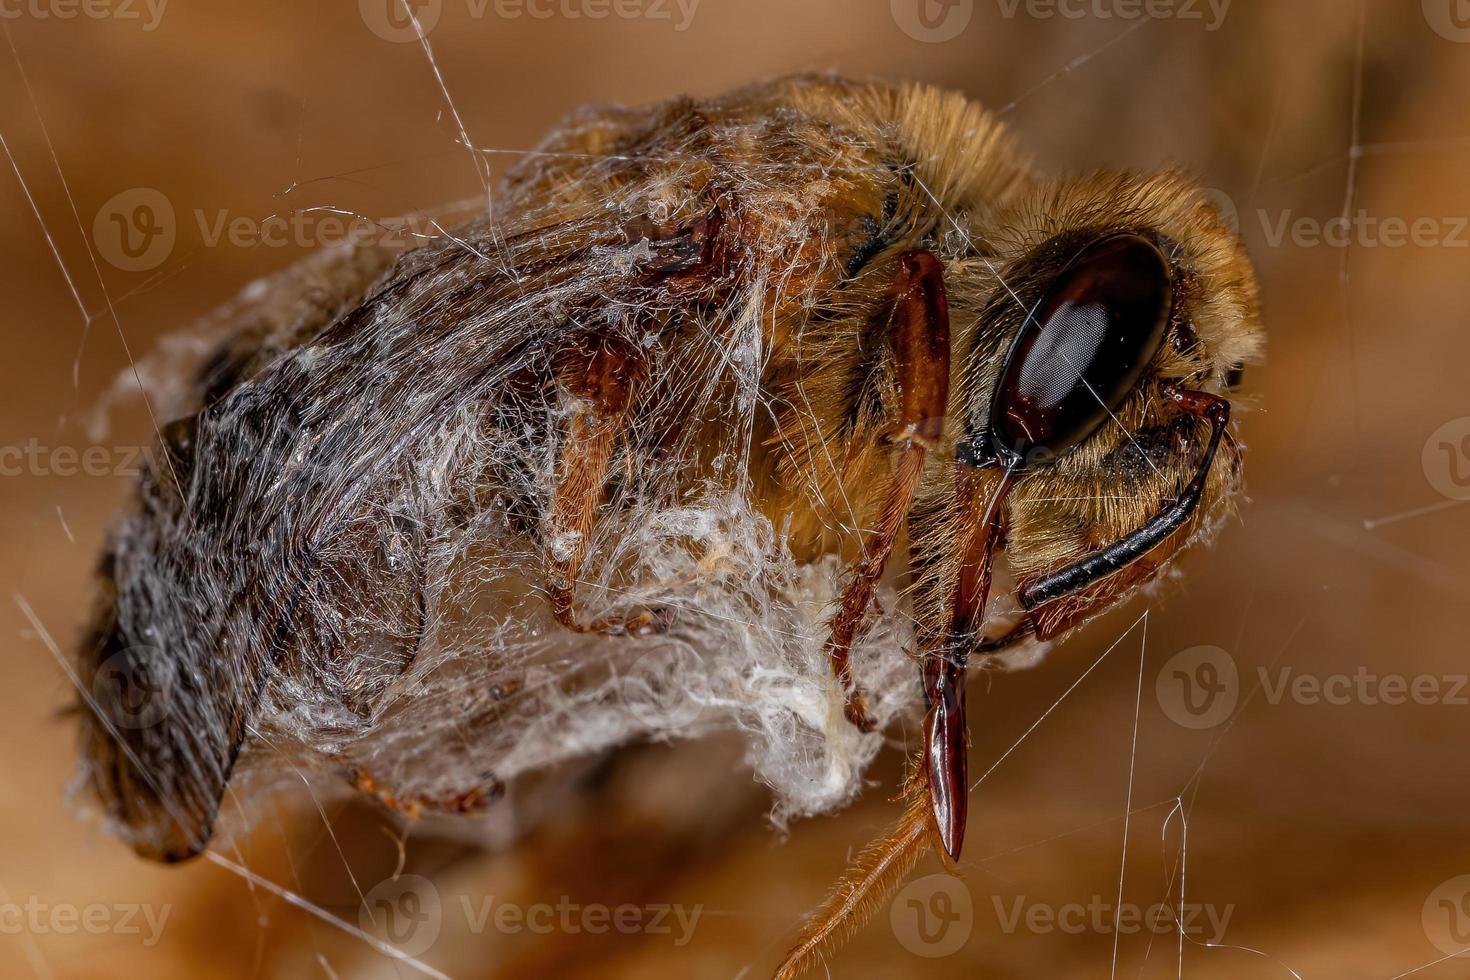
column 1084, row 349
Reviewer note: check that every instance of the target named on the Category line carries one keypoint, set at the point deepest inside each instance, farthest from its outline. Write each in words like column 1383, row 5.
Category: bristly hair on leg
column 869, row 882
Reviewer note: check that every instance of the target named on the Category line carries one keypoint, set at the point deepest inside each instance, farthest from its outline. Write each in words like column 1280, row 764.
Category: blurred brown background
column 1325, row 823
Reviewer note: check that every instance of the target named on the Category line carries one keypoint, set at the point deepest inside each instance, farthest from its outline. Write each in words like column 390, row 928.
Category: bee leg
column 471, row 800
column 1057, row 602
column 1051, row 620
column 1024, row 629
column 919, row 339
column 946, row 733
column 1130, row 549
column 1060, row 614
column 603, row 376
column 1048, row 622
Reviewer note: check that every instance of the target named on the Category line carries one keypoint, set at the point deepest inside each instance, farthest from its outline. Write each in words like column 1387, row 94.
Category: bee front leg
column 1057, row 616
column 1070, row 595
column 919, row 341
column 472, row 800
column 603, row 376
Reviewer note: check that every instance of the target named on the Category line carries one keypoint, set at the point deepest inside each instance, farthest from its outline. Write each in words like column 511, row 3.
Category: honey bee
column 915, row 332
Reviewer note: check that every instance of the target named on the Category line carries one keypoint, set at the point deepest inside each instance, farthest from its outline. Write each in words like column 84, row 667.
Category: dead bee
column 902, row 321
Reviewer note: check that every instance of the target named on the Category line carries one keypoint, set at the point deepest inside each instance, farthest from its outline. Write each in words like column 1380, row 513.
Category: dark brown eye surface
column 1083, row 350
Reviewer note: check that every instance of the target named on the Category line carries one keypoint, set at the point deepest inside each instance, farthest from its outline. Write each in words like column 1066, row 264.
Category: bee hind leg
column 919, row 344
column 603, row 377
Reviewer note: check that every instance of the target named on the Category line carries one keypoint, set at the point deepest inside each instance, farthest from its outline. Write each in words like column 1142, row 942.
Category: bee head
column 1098, row 290
column 1101, row 301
